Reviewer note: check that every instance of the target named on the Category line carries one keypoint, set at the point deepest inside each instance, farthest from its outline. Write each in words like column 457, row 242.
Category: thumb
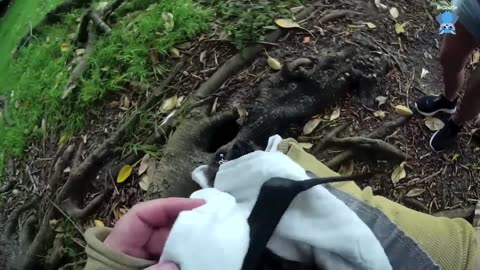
column 163, row 266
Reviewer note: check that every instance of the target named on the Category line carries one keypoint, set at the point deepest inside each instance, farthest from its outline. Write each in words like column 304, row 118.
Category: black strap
column 275, row 197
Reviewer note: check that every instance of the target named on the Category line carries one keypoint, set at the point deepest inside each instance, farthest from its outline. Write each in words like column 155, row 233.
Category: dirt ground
column 449, row 179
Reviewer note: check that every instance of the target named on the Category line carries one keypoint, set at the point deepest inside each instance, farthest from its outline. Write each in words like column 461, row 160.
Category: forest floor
column 128, row 64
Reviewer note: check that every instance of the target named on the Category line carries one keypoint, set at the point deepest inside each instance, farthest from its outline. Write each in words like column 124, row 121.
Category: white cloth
column 216, row 235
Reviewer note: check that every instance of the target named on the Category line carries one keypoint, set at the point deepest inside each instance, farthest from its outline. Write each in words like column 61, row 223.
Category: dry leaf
column 414, row 192
column 379, row 5
column 125, row 102
column 144, row 164
column 335, row 114
column 399, row 173
column 242, row 114
column 168, row 19
column 381, row 100
column 98, row 223
column 80, row 51
column 214, row 106
column 169, row 119
column 67, row 170
column 287, row 23
column 180, row 101
column 203, row 56
column 399, row 28
column 174, row 52
column 433, row 123
column 379, row 114
column 346, row 169
column 169, row 104
column 311, row 125
column 124, row 173
column 144, row 182
column 394, row 12
column 307, row 40
column 424, row 73
column 403, row 110
column 475, row 57
column 64, row 47
column 113, row 104
column 274, row 63
column 371, row 25
column 184, row 46
column 305, row 145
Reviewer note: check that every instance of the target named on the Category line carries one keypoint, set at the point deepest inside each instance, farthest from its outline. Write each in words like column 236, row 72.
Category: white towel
column 216, row 235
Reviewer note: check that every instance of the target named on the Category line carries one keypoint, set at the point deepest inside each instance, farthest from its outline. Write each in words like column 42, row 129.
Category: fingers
column 162, row 212
column 163, row 266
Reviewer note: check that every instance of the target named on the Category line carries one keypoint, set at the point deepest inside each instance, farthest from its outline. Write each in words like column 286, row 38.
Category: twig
column 31, row 177
column 66, row 216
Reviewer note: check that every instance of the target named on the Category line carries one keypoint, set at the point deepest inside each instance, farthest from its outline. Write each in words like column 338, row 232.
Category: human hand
column 143, row 231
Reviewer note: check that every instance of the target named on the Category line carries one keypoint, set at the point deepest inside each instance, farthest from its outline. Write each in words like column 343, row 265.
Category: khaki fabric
column 102, row 257
column 451, row 243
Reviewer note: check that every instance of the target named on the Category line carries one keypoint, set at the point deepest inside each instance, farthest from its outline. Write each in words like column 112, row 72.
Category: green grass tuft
column 34, row 82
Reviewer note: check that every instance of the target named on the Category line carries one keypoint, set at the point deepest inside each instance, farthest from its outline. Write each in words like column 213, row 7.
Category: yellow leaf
column 124, row 173
column 403, row 110
column 433, row 123
column 274, row 63
column 394, row 12
column 144, row 164
column 455, row 157
column 311, row 125
column 306, row 145
column 98, row 223
column 379, row 114
column 64, row 47
column 144, row 182
column 415, row 192
column 169, row 104
column 62, row 139
column 398, row 173
column 287, row 23
column 346, row 169
column 371, row 25
column 335, row 114
column 399, row 28
column 168, row 19
column 174, row 52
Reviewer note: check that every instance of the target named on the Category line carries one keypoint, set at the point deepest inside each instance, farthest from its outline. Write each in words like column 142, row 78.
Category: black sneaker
column 446, row 137
column 430, row 105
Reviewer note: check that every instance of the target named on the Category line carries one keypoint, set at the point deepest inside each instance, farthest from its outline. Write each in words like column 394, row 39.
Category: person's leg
column 470, row 104
column 455, row 52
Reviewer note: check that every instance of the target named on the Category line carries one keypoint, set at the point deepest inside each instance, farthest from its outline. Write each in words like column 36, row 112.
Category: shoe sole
column 449, row 111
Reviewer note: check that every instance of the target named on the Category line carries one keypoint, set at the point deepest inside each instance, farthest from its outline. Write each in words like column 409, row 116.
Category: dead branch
column 28, row 232
column 12, row 222
column 327, row 138
column 98, row 157
column 241, row 59
column 78, row 214
column 366, row 145
column 101, row 25
column 51, row 17
column 82, row 65
column 60, row 165
column 381, row 132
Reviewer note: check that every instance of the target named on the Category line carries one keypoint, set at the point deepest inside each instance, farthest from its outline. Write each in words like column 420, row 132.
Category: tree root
column 241, row 59
column 336, row 14
column 381, row 132
column 78, row 214
column 60, row 165
column 50, row 18
column 12, row 223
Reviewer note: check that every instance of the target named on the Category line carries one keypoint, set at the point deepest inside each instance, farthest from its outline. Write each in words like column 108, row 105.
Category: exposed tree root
column 381, row 132
column 12, row 223
column 51, row 17
column 81, row 214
